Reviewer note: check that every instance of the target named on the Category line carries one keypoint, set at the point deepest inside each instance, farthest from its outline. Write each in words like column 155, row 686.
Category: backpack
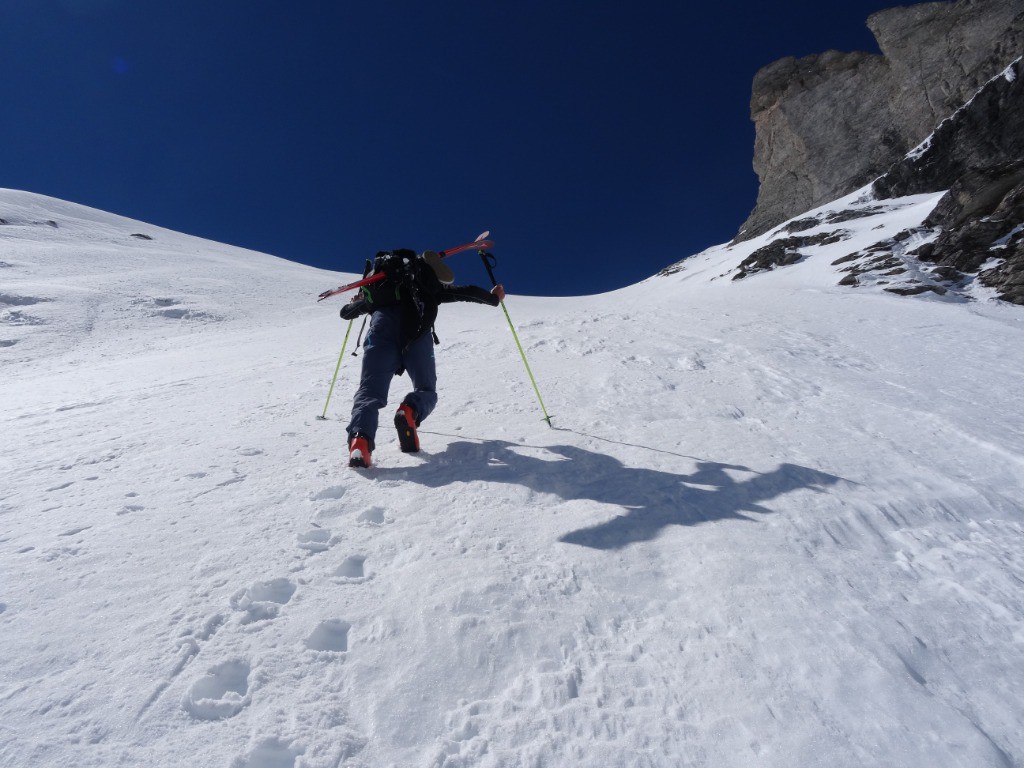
column 410, row 283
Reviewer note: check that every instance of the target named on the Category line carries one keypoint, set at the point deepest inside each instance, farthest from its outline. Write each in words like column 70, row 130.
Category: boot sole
column 407, row 438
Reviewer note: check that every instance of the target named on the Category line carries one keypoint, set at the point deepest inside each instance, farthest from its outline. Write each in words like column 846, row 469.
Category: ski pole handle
column 489, row 263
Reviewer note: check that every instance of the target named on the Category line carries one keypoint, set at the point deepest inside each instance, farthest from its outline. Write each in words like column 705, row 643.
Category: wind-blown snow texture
column 778, row 523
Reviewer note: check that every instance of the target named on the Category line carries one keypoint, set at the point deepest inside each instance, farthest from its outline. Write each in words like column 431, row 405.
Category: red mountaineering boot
column 405, row 423
column 358, row 451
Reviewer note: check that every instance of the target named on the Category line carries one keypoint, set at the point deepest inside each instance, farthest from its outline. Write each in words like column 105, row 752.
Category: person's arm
column 472, row 293
column 356, row 307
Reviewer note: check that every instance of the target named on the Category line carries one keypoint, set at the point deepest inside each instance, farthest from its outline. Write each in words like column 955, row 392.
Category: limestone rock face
column 940, row 54
column 816, row 134
column 828, row 124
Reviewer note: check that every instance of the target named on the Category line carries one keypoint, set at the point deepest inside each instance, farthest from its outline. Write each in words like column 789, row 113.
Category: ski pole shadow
column 622, row 442
column 652, row 499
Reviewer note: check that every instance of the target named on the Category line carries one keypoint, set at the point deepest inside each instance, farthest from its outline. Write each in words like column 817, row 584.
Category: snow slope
column 778, row 522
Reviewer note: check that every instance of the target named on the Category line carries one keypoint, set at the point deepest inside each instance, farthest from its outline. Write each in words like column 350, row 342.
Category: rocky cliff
column 831, row 123
column 978, row 155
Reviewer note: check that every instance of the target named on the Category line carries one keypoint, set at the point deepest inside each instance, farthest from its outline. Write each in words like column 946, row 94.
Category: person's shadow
column 653, row 499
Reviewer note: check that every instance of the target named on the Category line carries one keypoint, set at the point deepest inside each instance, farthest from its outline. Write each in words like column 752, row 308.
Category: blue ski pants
column 383, row 356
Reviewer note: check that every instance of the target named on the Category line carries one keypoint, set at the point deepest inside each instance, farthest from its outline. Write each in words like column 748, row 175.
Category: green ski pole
column 489, row 263
column 323, row 416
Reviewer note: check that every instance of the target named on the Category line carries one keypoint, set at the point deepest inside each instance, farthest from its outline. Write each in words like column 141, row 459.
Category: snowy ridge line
column 1009, row 74
column 856, row 223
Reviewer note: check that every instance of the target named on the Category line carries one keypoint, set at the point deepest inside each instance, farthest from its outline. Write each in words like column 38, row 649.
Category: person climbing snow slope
column 402, row 308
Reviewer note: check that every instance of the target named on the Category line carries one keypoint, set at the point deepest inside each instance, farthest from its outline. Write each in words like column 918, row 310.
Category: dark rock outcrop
column 829, row 124
column 782, row 253
column 978, row 155
column 986, row 131
column 982, row 231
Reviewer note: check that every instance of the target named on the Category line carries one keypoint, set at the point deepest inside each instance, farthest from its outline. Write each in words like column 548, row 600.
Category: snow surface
column 777, row 523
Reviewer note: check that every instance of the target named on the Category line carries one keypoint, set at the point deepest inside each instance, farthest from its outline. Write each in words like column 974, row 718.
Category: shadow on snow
column 653, row 499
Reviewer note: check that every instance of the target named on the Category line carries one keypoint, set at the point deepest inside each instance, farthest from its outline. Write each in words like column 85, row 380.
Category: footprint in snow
column 263, row 600
column 330, row 636
column 210, row 626
column 221, row 693
column 334, row 492
column 372, row 516
column 329, row 513
column 56, row 553
column 352, row 569
column 188, row 649
column 316, row 540
column 269, row 753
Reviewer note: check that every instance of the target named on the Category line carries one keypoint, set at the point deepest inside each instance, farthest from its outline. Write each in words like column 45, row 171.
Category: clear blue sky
column 599, row 141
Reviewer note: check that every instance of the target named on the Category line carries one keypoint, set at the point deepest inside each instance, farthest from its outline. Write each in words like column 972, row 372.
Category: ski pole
column 489, row 263
column 323, row 417
column 359, row 338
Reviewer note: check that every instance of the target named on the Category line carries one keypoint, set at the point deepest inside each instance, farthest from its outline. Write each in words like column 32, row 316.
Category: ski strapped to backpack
column 481, row 243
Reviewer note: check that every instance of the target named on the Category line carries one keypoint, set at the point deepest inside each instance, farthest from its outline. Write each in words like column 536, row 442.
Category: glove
column 353, row 309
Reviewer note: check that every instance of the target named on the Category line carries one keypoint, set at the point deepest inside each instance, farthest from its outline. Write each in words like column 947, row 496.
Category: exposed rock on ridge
column 978, row 155
column 828, row 124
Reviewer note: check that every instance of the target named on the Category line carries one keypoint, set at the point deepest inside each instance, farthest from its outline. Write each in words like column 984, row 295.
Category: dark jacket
column 419, row 302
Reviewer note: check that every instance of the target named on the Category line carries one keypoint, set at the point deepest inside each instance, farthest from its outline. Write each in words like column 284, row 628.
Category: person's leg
column 419, row 362
column 382, row 356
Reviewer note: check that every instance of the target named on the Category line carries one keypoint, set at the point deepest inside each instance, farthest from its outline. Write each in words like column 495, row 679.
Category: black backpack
column 410, row 283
